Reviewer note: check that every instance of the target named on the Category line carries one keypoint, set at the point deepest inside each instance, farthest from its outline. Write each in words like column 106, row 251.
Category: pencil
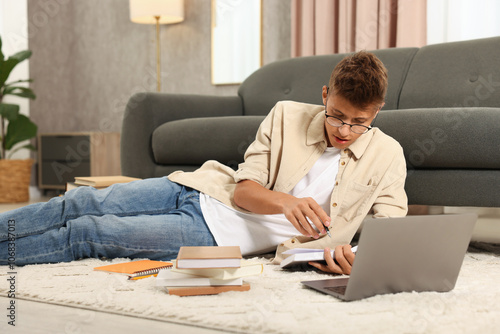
column 327, row 231
column 131, row 278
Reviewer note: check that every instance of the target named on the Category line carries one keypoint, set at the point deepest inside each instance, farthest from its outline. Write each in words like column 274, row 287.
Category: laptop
column 413, row 253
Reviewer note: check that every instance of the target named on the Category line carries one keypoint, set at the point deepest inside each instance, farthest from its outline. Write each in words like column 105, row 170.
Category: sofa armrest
column 146, row 111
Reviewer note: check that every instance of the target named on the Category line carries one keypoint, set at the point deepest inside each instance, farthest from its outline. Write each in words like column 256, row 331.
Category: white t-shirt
column 256, row 233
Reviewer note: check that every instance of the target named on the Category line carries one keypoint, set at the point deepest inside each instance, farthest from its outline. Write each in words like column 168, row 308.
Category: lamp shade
column 144, row 11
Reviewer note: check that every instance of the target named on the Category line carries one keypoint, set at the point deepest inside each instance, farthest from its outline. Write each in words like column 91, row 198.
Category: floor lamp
column 157, row 12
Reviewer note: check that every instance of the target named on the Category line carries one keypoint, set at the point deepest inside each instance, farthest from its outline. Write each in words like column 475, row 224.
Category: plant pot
column 15, row 177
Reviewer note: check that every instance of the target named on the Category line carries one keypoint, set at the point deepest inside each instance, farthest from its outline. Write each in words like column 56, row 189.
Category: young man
column 310, row 168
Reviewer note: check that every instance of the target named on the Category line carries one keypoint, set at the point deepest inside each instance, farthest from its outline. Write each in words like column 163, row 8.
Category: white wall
column 14, row 32
column 459, row 20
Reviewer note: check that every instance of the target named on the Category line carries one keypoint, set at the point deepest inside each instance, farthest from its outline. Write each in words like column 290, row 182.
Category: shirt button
column 345, row 151
column 337, row 183
column 334, row 205
column 293, row 241
column 342, row 163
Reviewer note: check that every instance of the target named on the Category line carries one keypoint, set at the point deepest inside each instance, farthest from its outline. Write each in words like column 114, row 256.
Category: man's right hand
column 253, row 197
column 299, row 211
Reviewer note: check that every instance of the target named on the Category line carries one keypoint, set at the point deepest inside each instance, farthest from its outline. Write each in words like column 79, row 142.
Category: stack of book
column 207, row 271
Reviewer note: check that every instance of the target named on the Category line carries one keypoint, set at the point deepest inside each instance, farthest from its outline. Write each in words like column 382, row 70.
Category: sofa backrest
column 459, row 74
column 301, row 79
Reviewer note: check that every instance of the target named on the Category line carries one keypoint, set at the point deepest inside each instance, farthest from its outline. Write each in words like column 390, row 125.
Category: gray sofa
column 442, row 105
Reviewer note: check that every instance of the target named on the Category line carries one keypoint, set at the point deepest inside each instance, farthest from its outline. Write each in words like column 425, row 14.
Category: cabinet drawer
column 58, row 173
column 65, row 148
column 64, row 156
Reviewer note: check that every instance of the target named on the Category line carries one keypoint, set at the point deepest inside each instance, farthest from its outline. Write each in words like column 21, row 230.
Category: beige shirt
column 289, row 141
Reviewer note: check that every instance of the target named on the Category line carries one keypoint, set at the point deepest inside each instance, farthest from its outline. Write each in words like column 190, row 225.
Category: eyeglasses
column 338, row 123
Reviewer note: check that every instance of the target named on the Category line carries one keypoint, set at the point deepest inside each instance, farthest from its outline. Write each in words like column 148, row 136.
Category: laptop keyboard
column 337, row 289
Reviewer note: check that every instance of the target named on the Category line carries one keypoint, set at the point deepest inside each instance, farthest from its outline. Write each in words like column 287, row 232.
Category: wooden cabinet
column 62, row 156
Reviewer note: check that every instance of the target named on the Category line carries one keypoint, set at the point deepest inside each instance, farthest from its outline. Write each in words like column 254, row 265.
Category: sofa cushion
column 301, row 79
column 453, row 187
column 459, row 74
column 453, row 138
column 196, row 140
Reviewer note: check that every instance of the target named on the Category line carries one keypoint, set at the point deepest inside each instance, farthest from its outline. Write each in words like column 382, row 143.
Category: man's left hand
column 344, row 258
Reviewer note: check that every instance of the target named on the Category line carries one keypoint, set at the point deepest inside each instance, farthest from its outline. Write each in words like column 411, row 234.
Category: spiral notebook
column 136, row 268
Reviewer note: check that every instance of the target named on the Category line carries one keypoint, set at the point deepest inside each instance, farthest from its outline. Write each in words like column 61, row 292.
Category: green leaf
column 9, row 111
column 17, row 81
column 1, row 53
column 21, row 55
column 18, row 148
column 19, row 91
column 6, row 67
column 18, row 130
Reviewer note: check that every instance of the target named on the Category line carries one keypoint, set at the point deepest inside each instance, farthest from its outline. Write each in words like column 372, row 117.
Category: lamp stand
column 158, row 66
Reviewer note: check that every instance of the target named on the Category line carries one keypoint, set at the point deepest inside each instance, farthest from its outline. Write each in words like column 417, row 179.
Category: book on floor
column 205, row 290
column 71, row 185
column 172, row 279
column 136, row 268
column 191, row 257
column 102, row 181
column 247, row 268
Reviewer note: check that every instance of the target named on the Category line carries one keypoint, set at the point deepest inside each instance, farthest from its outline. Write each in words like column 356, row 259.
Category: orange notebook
column 136, row 268
column 205, row 290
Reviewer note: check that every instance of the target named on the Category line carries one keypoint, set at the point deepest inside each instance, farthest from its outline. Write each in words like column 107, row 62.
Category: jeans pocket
column 188, row 195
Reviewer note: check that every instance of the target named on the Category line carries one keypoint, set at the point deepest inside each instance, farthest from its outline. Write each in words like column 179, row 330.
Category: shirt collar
column 316, row 130
column 316, row 134
column 358, row 148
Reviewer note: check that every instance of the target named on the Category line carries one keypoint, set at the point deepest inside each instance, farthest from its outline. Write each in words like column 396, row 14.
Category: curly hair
column 361, row 78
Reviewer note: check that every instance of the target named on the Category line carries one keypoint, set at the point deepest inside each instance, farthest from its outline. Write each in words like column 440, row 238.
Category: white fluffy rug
column 276, row 303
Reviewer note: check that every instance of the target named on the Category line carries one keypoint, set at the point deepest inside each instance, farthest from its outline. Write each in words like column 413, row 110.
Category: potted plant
column 15, row 129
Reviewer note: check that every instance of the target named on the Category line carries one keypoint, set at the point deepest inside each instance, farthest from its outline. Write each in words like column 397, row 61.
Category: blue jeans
column 150, row 218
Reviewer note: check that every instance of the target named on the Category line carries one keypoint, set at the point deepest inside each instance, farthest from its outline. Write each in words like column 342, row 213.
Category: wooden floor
column 35, row 317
